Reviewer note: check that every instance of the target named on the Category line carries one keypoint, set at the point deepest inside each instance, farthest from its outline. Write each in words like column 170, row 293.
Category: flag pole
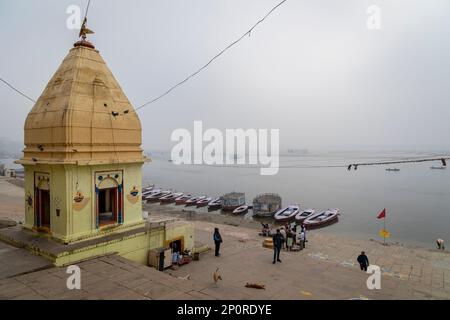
column 384, row 233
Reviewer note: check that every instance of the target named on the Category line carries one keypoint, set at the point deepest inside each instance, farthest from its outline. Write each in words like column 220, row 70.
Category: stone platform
column 133, row 244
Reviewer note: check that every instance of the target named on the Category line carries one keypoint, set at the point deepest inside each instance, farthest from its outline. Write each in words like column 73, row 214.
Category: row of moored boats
column 151, row 194
column 310, row 218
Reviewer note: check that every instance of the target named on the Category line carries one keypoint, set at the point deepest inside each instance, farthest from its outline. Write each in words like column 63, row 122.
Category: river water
column 417, row 198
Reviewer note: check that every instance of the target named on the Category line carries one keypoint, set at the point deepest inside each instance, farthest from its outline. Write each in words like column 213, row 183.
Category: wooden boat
column 155, row 197
column 147, row 194
column 150, row 188
column 241, row 210
column 439, row 168
column 193, row 201
column 287, row 213
column 170, row 197
column 259, row 214
column 305, row 214
column 321, row 219
column 203, row 202
column 393, row 169
column 215, row 204
column 182, row 199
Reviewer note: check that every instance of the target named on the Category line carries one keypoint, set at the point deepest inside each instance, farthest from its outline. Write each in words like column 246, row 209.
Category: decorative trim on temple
column 80, row 201
column 84, row 43
column 133, row 197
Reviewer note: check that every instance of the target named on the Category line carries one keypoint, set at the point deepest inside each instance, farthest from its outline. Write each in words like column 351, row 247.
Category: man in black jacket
column 217, row 241
column 363, row 261
column 277, row 244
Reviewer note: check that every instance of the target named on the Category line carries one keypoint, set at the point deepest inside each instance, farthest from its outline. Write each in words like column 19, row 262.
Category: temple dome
column 83, row 116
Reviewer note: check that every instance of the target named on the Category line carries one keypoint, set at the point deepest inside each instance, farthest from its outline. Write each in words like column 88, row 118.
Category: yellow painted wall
column 135, row 247
column 77, row 225
column 184, row 230
column 78, row 222
column 57, row 196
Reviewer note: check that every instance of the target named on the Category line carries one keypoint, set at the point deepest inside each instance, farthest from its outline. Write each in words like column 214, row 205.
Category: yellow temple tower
column 82, row 153
column 83, row 162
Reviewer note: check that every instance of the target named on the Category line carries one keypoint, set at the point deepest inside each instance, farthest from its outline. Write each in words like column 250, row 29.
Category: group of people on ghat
column 291, row 237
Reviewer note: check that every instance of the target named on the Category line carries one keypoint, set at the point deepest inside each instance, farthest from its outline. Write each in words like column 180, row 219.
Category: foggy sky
column 312, row 69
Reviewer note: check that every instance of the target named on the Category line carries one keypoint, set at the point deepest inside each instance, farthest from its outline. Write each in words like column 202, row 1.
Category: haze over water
column 417, row 198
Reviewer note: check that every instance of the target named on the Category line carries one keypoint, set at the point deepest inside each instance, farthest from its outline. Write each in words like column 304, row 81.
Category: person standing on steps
column 283, row 234
column 440, row 244
column 277, row 244
column 302, row 239
column 304, row 231
column 217, row 241
column 363, row 261
column 289, row 240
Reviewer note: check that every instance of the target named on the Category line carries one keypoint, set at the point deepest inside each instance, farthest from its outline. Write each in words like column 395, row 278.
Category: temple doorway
column 107, row 206
column 42, row 209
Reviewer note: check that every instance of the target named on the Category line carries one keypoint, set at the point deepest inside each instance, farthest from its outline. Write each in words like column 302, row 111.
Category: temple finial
column 84, row 31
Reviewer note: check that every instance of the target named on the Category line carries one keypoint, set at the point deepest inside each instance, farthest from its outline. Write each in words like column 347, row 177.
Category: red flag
column 382, row 214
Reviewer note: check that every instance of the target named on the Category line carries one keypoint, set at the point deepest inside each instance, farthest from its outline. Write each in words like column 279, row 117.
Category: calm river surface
column 417, row 198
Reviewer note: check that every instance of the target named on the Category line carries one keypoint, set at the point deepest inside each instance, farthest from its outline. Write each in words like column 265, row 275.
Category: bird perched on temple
column 217, row 276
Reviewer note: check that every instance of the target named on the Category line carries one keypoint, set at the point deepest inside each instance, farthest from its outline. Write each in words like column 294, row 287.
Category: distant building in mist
column 297, row 151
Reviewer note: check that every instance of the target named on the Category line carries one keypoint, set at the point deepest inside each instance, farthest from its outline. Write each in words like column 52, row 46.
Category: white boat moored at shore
column 287, row 213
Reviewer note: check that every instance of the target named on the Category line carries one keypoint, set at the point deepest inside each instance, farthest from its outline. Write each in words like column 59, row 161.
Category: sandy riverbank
column 192, row 214
column 326, row 269
column 12, row 204
column 408, row 272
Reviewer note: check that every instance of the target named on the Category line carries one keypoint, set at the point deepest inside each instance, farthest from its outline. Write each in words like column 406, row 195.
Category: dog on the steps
column 217, row 276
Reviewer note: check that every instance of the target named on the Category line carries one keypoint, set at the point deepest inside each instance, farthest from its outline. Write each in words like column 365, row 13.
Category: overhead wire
column 247, row 33
column 168, row 91
column 443, row 160
column 17, row 90
column 21, row 92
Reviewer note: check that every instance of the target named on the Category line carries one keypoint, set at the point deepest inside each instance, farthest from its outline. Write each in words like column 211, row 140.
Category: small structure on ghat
column 232, row 200
column 266, row 204
column 83, row 161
